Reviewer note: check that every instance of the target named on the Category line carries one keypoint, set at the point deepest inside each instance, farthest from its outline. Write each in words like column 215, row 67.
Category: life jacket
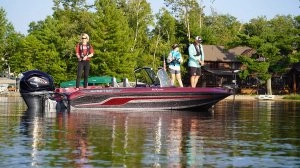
column 198, row 49
column 88, row 49
column 176, row 60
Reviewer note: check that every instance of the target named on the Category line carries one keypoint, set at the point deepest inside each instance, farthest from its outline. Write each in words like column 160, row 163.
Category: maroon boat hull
column 169, row 98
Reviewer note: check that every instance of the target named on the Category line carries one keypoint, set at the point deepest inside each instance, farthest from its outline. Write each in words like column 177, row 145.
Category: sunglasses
column 83, row 38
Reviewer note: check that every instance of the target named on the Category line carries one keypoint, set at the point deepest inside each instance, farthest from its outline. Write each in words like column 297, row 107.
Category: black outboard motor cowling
column 35, row 86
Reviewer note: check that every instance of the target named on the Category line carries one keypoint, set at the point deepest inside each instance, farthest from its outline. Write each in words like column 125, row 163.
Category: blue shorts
column 194, row 71
column 172, row 71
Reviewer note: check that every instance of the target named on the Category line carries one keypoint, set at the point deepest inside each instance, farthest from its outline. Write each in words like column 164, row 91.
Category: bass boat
column 151, row 91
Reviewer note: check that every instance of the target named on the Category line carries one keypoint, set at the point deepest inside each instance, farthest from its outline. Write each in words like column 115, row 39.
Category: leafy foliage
column 125, row 36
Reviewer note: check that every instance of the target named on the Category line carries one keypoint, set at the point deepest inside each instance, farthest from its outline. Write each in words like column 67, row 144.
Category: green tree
column 190, row 12
column 163, row 36
column 4, row 27
column 10, row 43
column 274, row 46
column 139, row 18
column 115, row 56
column 124, row 37
column 220, row 29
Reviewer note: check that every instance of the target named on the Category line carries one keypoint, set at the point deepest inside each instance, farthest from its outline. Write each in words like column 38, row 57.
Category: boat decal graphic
column 124, row 100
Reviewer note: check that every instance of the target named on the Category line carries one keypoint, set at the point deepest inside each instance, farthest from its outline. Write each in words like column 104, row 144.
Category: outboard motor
column 35, row 87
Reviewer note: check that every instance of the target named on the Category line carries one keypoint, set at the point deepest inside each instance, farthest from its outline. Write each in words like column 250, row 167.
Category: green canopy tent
column 100, row 80
column 95, row 80
column 71, row 83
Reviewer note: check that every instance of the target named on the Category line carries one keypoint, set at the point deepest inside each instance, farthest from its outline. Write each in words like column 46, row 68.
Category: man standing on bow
column 196, row 60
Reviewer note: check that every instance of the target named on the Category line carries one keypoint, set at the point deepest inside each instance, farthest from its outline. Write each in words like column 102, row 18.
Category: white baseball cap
column 198, row 38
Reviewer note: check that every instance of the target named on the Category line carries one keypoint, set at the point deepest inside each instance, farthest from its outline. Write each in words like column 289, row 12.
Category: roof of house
column 219, row 54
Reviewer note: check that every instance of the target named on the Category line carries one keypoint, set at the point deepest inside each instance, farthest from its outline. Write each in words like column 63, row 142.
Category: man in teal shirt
column 196, row 60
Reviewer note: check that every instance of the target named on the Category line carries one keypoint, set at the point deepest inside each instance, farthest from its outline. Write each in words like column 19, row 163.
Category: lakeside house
column 220, row 65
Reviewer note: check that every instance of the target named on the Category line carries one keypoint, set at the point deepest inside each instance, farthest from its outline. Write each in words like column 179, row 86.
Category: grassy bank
column 292, row 97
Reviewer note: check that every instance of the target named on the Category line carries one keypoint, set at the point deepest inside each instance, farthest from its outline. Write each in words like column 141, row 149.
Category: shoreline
column 10, row 94
column 253, row 97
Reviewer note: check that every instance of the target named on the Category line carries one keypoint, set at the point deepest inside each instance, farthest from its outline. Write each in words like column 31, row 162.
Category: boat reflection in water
column 255, row 131
column 116, row 139
column 148, row 139
column 32, row 125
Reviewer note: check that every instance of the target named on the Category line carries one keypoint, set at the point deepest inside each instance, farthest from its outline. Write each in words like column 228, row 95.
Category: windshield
column 146, row 76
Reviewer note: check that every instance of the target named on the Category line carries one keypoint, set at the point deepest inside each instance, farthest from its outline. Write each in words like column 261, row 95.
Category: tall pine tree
column 112, row 34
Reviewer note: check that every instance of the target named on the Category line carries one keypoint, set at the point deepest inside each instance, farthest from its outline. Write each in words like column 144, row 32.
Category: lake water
column 247, row 133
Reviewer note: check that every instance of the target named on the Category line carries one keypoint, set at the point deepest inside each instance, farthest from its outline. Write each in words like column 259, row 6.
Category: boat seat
column 114, row 82
column 164, row 79
column 126, row 83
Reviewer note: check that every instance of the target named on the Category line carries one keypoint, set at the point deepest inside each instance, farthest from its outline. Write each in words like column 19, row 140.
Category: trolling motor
column 35, row 88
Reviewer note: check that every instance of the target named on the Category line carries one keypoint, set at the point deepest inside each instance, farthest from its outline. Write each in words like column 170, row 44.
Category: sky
column 21, row 12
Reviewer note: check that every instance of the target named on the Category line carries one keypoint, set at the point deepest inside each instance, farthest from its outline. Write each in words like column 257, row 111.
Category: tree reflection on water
column 252, row 133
